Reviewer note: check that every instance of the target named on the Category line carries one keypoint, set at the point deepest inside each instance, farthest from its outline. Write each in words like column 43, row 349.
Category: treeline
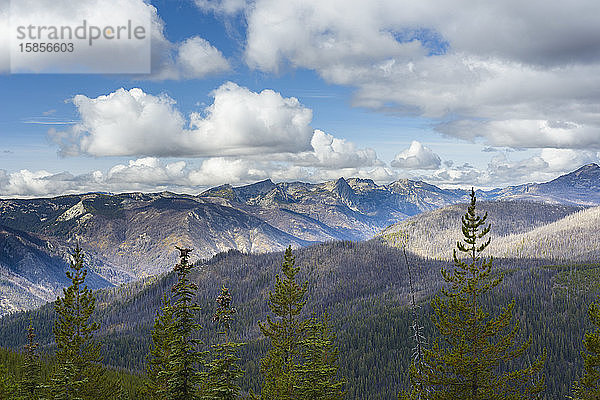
column 118, row 384
column 301, row 360
column 375, row 331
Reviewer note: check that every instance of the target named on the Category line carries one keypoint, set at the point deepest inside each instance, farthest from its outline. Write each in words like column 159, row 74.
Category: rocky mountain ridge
column 580, row 187
column 132, row 235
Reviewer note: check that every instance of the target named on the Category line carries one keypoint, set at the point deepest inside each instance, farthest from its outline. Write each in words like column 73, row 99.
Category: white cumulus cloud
column 506, row 168
column 148, row 170
column 191, row 59
column 526, row 133
column 567, row 160
column 333, row 153
column 26, row 183
column 219, row 170
column 239, row 122
column 416, row 156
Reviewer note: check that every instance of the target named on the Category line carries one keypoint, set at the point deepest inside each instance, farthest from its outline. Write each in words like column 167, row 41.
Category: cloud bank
column 495, row 71
column 152, row 174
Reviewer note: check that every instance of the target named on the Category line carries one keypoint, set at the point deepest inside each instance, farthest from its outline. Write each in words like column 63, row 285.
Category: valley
column 131, row 236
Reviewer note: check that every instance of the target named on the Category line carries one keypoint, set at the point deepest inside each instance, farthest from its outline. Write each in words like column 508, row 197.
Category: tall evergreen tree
column 285, row 334
column 182, row 372
column 158, row 358
column 588, row 388
column 224, row 371
column 77, row 353
column 472, row 358
column 318, row 376
column 30, row 385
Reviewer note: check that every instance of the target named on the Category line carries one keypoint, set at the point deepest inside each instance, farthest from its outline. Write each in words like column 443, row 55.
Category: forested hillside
column 573, row 238
column 547, row 254
column 32, row 271
column 431, row 234
column 365, row 288
column 117, row 382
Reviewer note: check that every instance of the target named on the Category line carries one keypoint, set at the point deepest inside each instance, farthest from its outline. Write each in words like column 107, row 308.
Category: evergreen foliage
column 77, row 353
column 121, row 393
column 112, row 384
column 471, row 358
column 30, row 385
column 7, row 389
column 588, row 388
column 301, row 362
column 285, row 334
column 318, row 375
column 366, row 290
column 158, row 358
column 224, row 371
column 182, row 371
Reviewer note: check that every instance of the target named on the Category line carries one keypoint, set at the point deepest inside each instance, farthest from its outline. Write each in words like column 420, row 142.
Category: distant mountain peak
column 360, row 184
column 589, row 168
column 403, row 182
column 341, row 183
column 225, row 186
column 581, row 187
column 267, row 182
column 254, row 191
column 362, row 180
column 344, row 192
column 253, row 218
column 406, row 184
column 588, row 171
column 263, row 185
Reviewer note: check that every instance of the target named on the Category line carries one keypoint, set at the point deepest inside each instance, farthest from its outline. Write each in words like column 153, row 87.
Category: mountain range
column 580, row 187
column 130, row 236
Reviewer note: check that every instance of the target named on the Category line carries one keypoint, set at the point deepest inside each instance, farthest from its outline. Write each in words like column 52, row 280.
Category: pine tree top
column 288, row 297
column 471, row 273
column 475, row 354
column 184, row 255
column 289, row 260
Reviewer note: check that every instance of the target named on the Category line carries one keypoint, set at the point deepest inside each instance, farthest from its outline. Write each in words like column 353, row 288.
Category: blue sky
column 249, row 90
